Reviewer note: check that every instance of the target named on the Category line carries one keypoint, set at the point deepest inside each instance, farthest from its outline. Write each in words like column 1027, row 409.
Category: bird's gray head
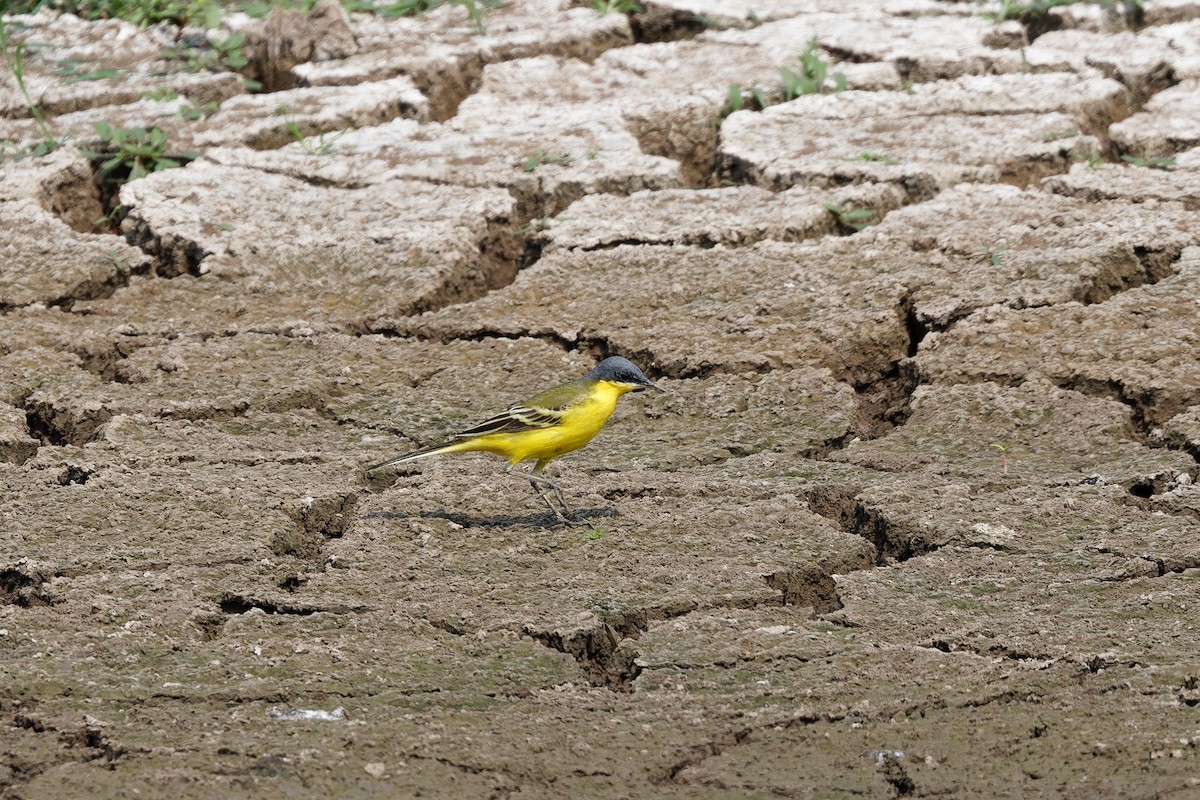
column 621, row 370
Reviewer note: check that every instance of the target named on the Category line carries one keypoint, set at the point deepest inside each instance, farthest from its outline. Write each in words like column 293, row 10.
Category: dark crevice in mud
column 746, row 238
column 1041, row 18
column 91, row 738
column 531, row 253
column 503, row 785
column 702, row 241
column 104, row 358
column 239, row 604
column 60, row 427
column 602, row 652
column 452, row 627
column 209, row 625
column 1156, row 566
column 599, row 653
column 1157, row 265
column 315, row 522
column 93, row 289
column 1148, row 409
column 884, row 400
column 173, row 255
column 75, row 474
column 73, row 195
column 1009, row 697
column 664, row 24
column 540, row 519
column 991, row 651
column 23, row 588
column 893, row 542
column 87, row 737
column 700, row 753
column 446, row 89
column 232, row 603
column 597, row 347
column 293, row 583
column 1146, row 268
column 896, row 776
column 914, row 326
column 807, row 586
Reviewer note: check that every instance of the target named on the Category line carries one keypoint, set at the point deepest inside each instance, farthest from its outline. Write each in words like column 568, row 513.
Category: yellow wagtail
column 547, row 425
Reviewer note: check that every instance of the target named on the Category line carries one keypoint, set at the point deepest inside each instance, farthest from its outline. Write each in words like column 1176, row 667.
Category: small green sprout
column 877, row 157
column 812, row 75
column 1054, row 136
column 735, row 100
column 606, row 7
column 321, row 147
column 194, row 112
column 162, row 93
column 221, row 55
column 993, row 255
column 69, row 68
column 541, row 157
column 1003, row 448
column 855, row 219
column 1150, row 162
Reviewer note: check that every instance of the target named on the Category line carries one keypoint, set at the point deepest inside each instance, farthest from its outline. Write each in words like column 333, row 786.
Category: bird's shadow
column 543, row 520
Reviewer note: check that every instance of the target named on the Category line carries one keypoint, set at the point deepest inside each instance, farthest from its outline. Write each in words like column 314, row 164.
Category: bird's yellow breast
column 581, row 421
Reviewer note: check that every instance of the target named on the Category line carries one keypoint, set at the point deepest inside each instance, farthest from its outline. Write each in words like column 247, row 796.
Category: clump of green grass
column 872, row 157
column 13, row 55
column 606, row 7
column 213, row 55
column 810, row 76
column 853, row 219
column 318, row 147
column 989, row 255
column 1054, row 136
column 1151, row 162
column 197, row 111
column 143, row 13
column 413, row 8
column 261, row 8
column 1035, row 14
column 1025, row 10
column 126, row 154
column 75, row 71
column 535, row 160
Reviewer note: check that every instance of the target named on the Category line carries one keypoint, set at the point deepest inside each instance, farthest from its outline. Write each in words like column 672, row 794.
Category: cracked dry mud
column 918, row 515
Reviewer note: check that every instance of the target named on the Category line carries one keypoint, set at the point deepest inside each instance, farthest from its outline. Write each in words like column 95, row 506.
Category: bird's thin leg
column 537, row 489
column 537, row 480
column 538, row 476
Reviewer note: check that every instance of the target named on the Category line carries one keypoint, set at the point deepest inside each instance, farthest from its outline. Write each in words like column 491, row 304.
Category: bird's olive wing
column 515, row 420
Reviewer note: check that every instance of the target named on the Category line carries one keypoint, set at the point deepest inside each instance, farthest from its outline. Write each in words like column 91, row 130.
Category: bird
column 546, row 426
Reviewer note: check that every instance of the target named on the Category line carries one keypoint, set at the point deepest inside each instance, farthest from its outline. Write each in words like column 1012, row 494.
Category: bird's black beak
column 650, row 385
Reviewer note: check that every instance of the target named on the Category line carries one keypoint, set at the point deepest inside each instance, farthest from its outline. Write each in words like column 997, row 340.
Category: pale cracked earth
column 917, row 517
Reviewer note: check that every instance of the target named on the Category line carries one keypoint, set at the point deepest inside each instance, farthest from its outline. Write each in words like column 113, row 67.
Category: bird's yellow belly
column 579, row 425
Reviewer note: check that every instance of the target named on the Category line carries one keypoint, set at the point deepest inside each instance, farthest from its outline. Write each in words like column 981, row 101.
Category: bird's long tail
column 415, row 454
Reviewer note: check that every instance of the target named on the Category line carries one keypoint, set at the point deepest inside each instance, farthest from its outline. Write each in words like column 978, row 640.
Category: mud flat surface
column 918, row 517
